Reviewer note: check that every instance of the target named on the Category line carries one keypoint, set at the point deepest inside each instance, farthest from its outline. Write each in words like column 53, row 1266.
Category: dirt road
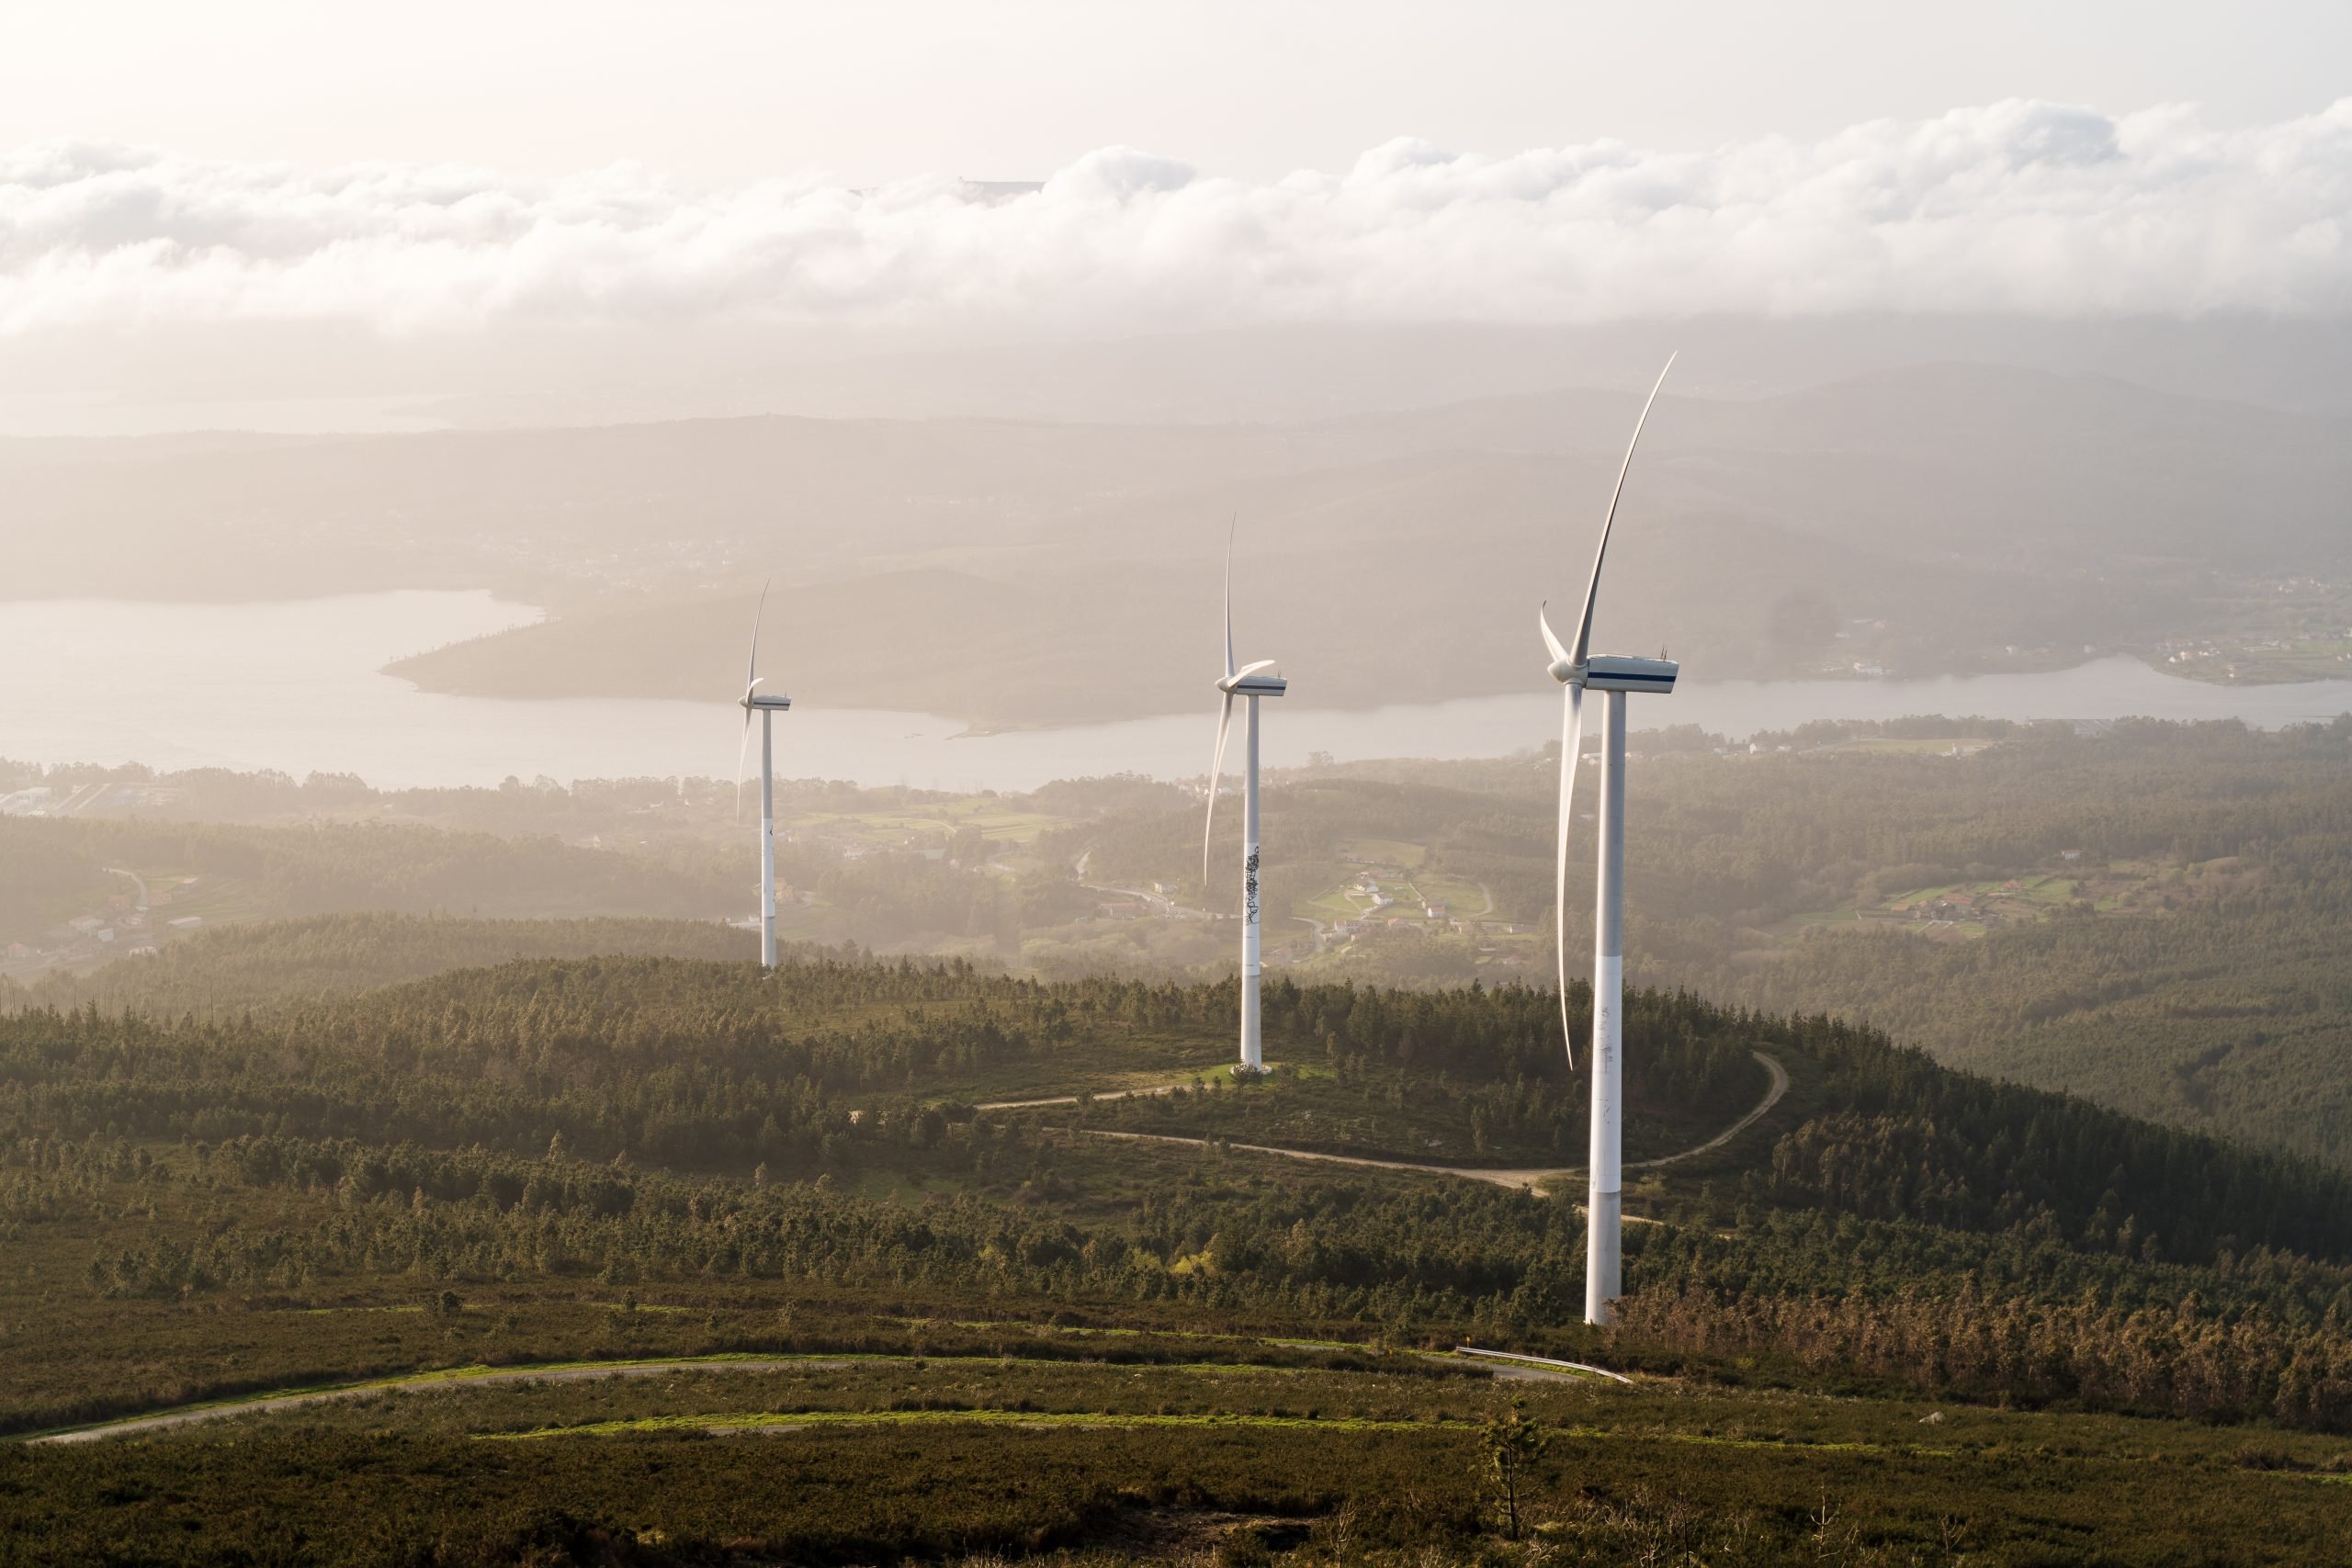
column 432, row 1382
column 1503, row 1176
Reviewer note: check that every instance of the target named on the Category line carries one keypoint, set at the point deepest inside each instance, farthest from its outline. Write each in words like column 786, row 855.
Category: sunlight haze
column 723, row 92
column 1218, row 785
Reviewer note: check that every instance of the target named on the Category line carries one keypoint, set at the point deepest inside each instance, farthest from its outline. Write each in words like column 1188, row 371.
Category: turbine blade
column 752, row 674
column 742, row 753
column 1253, row 669
column 1571, row 743
column 1559, row 654
column 1229, row 532
column 1592, row 584
column 1216, row 777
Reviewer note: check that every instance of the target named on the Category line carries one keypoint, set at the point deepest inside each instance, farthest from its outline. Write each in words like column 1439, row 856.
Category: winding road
column 1502, row 1363
column 431, row 1382
column 1073, row 1100
column 1502, row 1176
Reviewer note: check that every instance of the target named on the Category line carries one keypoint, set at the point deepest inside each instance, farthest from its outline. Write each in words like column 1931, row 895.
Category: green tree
column 1513, row 1443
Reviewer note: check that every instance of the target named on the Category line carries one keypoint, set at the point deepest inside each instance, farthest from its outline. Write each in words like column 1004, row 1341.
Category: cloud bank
column 2014, row 207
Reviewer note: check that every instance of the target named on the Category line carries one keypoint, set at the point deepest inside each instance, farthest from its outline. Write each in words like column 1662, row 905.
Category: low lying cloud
column 2016, row 206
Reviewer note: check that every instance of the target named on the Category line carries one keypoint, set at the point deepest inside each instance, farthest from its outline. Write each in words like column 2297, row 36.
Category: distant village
column 130, row 923
column 43, row 800
column 1975, row 909
column 2283, row 629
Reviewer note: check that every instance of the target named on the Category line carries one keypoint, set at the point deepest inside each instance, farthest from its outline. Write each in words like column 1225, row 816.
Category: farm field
column 996, row 822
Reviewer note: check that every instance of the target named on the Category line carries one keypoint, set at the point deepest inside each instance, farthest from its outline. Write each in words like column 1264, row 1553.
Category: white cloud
column 2012, row 207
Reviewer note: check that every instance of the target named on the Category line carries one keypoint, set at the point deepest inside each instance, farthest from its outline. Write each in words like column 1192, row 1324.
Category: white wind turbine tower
column 767, row 706
column 1578, row 671
column 1249, row 684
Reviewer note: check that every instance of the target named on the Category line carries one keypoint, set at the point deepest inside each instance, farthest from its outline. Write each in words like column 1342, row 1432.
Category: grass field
column 1267, row 1460
column 2118, row 887
column 937, row 821
column 1397, row 855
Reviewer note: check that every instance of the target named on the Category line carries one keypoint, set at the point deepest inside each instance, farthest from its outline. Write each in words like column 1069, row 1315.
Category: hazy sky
column 727, row 90
column 191, row 193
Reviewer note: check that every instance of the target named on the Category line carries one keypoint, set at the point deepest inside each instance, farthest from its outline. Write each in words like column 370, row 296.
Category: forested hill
column 233, row 969
column 549, row 1127
column 712, row 1067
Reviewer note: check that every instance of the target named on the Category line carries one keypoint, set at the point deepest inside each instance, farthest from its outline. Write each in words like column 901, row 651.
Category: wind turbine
column 1577, row 670
column 1250, row 684
column 767, row 706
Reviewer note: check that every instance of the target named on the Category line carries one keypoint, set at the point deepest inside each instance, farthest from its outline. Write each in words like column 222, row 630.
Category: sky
column 728, row 91
column 438, row 171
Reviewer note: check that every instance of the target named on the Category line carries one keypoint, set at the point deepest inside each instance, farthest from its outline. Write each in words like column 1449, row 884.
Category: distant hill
column 1018, row 571
column 1291, row 372
column 2156, row 915
column 2186, row 965
column 232, row 969
column 215, row 873
column 1975, row 517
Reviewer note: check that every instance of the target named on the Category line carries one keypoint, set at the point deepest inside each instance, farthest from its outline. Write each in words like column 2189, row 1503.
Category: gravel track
column 1502, row 1176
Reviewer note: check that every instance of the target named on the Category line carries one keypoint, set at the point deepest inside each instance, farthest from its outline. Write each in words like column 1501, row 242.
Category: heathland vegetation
column 624, row 1158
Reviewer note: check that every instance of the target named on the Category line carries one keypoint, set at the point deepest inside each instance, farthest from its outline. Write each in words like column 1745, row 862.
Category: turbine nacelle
column 1250, row 681
column 1606, row 672
column 776, row 702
